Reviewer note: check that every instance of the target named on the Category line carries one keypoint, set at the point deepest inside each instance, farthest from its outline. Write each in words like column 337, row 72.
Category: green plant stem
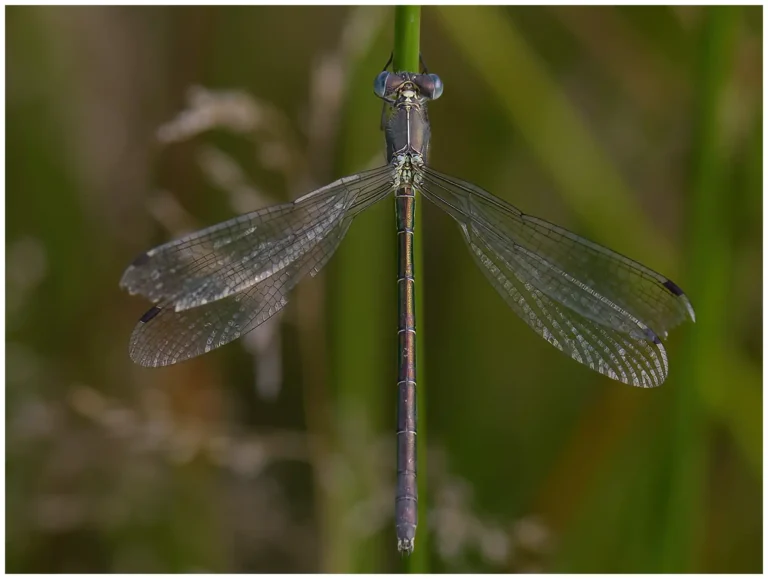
column 407, row 34
column 709, row 273
column 360, row 334
column 406, row 59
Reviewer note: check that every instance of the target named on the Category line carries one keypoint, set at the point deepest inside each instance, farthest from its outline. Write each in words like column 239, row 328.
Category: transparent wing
column 230, row 257
column 601, row 308
column 165, row 336
column 632, row 358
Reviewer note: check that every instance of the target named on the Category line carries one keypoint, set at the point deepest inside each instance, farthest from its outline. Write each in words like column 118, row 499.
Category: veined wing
column 230, row 257
column 165, row 336
column 603, row 309
column 633, row 358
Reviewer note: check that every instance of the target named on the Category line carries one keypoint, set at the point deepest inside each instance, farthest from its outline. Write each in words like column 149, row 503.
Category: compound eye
column 437, row 86
column 430, row 85
column 380, row 84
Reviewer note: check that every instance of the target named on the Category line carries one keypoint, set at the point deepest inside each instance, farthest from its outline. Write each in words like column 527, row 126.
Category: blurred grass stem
column 709, row 263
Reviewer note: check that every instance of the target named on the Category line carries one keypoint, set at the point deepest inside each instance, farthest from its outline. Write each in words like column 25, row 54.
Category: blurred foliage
column 640, row 127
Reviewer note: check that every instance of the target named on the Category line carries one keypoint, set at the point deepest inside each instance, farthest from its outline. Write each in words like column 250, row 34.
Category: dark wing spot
column 141, row 260
column 673, row 288
column 648, row 332
column 151, row 313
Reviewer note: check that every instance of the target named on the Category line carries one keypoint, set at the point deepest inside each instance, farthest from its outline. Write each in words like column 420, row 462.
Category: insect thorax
column 408, row 169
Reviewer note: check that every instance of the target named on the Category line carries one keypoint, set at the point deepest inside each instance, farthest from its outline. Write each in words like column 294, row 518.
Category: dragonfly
column 602, row 309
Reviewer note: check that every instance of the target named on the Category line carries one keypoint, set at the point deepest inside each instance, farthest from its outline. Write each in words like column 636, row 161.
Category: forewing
column 165, row 336
column 574, row 271
column 233, row 256
column 633, row 358
column 597, row 306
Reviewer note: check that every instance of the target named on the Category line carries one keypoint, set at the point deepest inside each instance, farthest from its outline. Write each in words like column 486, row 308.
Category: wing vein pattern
column 604, row 310
column 215, row 285
column 232, row 256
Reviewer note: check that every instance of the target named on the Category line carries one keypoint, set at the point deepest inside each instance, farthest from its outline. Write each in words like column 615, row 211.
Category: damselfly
column 598, row 307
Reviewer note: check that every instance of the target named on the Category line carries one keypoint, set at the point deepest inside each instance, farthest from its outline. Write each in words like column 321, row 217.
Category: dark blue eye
column 430, row 85
column 380, row 84
column 438, row 86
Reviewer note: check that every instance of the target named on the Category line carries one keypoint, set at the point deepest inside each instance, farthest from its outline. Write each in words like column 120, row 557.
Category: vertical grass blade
column 710, row 262
column 361, row 314
column 523, row 88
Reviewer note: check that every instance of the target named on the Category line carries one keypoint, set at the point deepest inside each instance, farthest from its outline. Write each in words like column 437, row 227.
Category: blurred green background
column 639, row 127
